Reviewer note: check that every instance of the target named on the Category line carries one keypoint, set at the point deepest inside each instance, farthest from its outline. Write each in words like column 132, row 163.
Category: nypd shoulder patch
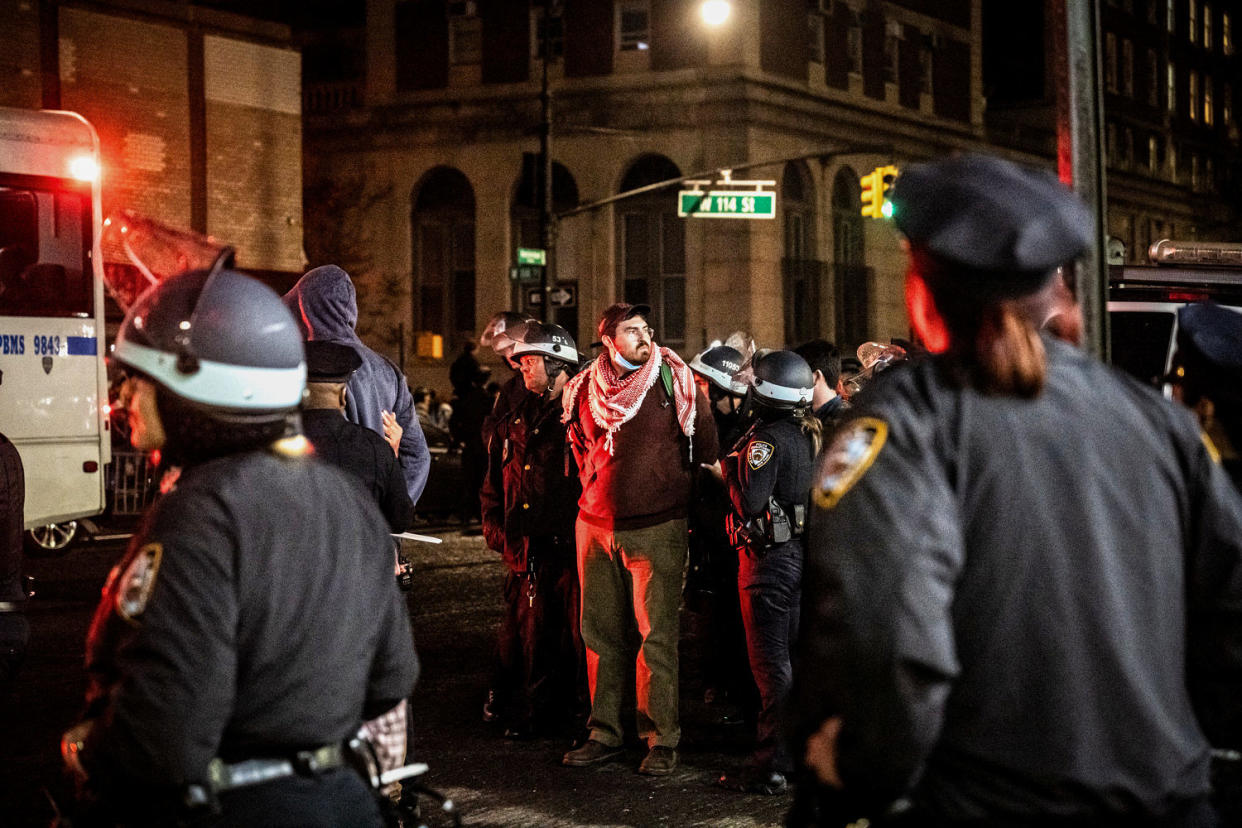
column 137, row 582
column 758, row 453
column 851, row 453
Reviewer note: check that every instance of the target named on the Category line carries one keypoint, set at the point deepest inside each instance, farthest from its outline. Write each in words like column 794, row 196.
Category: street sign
column 565, row 296
column 531, row 256
column 743, row 204
column 525, row 273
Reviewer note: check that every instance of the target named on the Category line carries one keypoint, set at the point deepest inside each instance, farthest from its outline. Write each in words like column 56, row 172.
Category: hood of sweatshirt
column 325, row 304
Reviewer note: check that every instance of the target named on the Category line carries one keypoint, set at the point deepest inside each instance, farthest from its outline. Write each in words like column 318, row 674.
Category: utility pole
column 547, row 217
column 1080, row 151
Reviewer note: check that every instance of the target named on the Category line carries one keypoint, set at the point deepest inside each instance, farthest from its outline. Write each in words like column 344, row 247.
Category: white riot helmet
column 503, row 330
column 552, row 342
column 718, row 365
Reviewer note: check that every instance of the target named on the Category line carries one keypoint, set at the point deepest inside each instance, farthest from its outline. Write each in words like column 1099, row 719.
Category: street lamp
column 715, row 12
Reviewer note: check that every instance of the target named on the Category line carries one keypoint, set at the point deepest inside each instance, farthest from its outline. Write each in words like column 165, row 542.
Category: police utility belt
column 775, row 526
column 224, row 776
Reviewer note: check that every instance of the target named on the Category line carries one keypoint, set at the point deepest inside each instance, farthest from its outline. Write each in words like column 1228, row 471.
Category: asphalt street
column 454, row 607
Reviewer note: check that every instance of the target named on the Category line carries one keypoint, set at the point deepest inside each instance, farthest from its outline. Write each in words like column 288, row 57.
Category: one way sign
column 562, row 296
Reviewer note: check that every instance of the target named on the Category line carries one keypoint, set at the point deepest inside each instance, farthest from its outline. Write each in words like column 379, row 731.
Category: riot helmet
column 780, row 382
column 226, row 357
column 719, row 365
column 503, row 330
column 558, row 348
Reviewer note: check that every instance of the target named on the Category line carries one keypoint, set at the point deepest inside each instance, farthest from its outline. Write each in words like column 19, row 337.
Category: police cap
column 992, row 215
column 1209, row 340
column 330, row 361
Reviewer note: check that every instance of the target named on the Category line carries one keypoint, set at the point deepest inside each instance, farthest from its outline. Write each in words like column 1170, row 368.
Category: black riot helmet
column 553, row 342
column 719, row 365
column 780, row 382
column 226, row 356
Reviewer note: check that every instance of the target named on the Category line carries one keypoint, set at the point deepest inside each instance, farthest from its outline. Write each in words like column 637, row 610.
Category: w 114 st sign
column 726, row 198
column 721, row 204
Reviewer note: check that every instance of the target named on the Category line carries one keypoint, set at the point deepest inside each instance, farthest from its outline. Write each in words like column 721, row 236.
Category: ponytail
column 813, row 428
column 1009, row 355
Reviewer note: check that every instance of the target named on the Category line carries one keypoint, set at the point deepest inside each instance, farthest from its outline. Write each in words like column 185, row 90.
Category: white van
column 53, row 379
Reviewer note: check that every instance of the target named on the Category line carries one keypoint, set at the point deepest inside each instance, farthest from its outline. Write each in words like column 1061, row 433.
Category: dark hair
column 195, row 433
column 994, row 340
column 824, row 357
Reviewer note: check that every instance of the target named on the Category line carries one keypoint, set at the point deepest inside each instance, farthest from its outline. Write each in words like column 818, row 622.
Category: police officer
column 768, row 475
column 1208, row 374
column 254, row 621
column 715, row 370
column 1207, row 377
column 502, row 332
column 711, row 581
column 530, row 503
column 1010, row 547
column 355, row 448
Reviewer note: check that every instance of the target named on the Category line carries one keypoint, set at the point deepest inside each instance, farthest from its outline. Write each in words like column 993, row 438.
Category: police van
column 53, row 378
column 1143, row 301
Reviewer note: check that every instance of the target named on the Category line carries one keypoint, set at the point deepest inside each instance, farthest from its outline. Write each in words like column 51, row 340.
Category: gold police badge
column 853, row 450
column 137, row 581
column 758, row 453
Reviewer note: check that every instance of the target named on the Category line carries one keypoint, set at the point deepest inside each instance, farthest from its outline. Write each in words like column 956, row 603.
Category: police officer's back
column 349, row 446
column 254, row 620
column 1009, row 546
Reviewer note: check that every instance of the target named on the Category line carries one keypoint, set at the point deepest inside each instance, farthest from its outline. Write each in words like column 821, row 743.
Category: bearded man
column 638, row 426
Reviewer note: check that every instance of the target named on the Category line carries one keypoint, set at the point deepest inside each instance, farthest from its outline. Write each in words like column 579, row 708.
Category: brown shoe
column 660, row 761
column 591, row 753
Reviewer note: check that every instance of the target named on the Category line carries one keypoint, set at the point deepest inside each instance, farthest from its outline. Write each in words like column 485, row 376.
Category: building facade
column 422, row 130
column 1170, row 71
column 198, row 113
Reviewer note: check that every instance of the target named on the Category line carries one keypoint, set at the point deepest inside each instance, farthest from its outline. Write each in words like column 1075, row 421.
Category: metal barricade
column 131, row 482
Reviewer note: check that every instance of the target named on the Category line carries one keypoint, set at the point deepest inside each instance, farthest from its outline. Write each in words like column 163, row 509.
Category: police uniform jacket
column 365, row 455
column 530, row 493
column 255, row 614
column 771, row 460
column 999, row 593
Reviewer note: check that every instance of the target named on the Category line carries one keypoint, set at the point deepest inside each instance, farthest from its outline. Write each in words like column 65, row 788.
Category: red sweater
column 646, row 480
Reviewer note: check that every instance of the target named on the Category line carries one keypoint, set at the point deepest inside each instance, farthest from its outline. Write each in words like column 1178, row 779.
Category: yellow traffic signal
column 875, row 187
column 872, row 193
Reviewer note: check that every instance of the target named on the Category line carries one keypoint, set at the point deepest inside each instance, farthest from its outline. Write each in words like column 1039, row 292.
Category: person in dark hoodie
column 326, row 307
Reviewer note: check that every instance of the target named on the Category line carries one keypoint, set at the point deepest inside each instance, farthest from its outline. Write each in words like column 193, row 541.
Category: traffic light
column 875, row 187
column 872, row 193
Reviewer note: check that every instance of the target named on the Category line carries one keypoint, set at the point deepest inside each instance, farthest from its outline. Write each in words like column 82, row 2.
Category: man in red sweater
column 638, row 426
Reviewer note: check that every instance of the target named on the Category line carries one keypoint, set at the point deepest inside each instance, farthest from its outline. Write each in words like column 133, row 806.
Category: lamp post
column 547, row 217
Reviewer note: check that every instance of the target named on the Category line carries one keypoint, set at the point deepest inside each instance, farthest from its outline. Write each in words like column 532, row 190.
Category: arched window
column 802, row 272
column 652, row 249
column 525, row 232
column 442, row 235
column 850, row 275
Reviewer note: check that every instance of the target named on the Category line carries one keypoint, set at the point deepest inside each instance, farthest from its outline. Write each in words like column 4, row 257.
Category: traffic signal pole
column 1080, row 153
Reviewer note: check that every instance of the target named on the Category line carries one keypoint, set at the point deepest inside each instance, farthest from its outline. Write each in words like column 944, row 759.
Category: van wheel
column 52, row 539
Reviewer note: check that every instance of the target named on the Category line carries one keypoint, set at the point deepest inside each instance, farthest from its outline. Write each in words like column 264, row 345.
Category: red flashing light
column 1185, row 296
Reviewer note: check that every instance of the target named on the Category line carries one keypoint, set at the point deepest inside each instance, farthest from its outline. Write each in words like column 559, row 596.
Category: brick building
column 1171, row 140
column 418, row 121
column 198, row 113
